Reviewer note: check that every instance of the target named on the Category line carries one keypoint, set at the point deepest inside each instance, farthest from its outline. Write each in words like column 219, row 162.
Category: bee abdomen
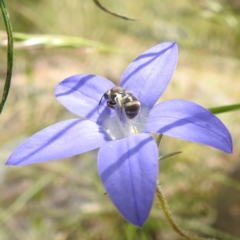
column 132, row 108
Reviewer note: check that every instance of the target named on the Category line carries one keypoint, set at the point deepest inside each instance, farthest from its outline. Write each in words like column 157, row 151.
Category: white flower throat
column 127, row 116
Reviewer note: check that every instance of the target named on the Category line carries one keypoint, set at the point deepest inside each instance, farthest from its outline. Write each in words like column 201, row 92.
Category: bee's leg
column 111, row 104
column 119, row 103
column 121, row 113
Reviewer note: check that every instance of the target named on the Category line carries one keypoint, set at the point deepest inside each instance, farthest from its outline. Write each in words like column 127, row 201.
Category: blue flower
column 128, row 155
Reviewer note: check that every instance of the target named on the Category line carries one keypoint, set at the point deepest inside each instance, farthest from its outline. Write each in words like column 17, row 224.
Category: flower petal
column 149, row 74
column 128, row 168
column 189, row 121
column 81, row 94
column 61, row 140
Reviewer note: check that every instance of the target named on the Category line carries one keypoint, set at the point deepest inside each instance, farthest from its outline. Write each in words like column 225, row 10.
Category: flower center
column 118, row 125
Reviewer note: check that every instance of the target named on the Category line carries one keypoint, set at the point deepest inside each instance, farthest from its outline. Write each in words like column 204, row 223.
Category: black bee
column 125, row 101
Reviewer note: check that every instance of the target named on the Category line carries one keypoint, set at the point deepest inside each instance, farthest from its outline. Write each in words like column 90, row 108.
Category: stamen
column 135, row 130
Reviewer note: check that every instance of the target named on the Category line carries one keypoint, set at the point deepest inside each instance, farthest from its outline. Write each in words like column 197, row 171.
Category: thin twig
column 168, row 215
column 169, row 155
column 159, row 139
column 112, row 13
column 9, row 55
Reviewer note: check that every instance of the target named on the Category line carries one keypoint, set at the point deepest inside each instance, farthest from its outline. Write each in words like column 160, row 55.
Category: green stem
column 9, row 55
column 159, row 139
column 223, row 109
column 168, row 215
column 112, row 13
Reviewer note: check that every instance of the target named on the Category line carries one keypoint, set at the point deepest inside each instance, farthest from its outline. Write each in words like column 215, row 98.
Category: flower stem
column 168, row 215
column 9, row 54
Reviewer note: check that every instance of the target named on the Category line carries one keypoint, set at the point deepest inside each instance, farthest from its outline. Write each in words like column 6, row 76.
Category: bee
column 124, row 100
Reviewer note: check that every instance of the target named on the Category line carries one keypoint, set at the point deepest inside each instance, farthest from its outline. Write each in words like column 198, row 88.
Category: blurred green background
column 64, row 200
